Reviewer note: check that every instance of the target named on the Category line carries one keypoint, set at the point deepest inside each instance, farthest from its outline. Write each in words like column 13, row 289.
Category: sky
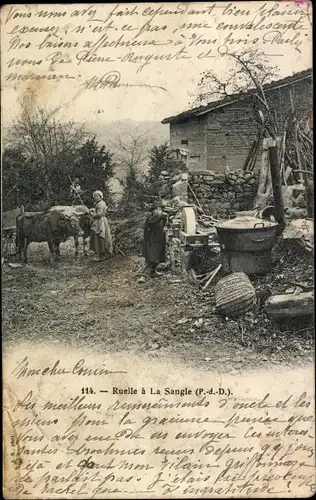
column 179, row 78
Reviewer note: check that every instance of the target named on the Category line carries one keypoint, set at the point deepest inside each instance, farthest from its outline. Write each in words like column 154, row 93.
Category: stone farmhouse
column 221, row 133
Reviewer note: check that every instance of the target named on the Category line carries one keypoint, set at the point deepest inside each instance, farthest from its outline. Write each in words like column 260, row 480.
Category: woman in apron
column 101, row 240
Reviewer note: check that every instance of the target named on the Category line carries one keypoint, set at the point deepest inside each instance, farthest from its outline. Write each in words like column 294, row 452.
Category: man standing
column 154, row 242
column 76, row 192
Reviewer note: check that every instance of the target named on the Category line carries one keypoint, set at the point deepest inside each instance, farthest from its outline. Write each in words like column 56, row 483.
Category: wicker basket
column 235, row 295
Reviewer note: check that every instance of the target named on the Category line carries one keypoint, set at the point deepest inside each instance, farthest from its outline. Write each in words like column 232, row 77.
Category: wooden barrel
column 235, row 295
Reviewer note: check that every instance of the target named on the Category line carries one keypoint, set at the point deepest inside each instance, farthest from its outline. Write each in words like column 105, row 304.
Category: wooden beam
column 297, row 147
column 309, row 195
column 290, row 305
column 195, row 198
column 212, row 276
column 277, row 187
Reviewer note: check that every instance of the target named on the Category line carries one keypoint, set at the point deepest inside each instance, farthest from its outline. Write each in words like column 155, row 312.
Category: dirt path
column 102, row 306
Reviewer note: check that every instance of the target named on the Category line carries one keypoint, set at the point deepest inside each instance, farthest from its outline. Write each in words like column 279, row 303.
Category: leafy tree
column 47, row 155
column 47, row 142
column 23, row 183
column 161, row 159
column 158, row 157
column 94, row 167
column 133, row 192
column 158, row 162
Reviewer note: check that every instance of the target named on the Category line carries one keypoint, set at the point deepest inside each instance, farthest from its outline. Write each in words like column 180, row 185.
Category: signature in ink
column 112, row 79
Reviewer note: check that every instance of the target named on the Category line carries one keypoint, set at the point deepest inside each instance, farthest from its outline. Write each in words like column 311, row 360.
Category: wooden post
column 172, row 256
column 264, row 172
column 297, row 147
column 309, row 195
column 270, row 143
column 276, row 186
column 263, row 176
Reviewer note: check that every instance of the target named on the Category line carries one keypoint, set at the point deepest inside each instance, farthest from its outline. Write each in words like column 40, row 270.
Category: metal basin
column 246, row 244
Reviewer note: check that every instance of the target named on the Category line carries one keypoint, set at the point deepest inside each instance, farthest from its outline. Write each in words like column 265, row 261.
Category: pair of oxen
column 54, row 226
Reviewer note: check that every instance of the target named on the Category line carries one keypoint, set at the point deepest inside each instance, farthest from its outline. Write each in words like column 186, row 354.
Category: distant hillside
column 107, row 132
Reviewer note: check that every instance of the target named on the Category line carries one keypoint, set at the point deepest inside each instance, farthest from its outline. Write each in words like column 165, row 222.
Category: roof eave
column 179, row 118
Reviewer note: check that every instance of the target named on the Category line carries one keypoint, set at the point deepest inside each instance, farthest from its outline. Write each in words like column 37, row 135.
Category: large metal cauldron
column 246, row 244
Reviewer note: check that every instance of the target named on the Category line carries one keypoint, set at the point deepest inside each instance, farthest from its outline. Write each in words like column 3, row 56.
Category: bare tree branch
column 131, row 150
column 248, row 73
column 44, row 137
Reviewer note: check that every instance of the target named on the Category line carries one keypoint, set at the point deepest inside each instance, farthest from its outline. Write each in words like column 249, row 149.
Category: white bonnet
column 98, row 193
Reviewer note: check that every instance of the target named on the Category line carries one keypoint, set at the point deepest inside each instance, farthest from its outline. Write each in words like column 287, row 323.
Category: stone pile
column 167, row 180
column 223, row 193
column 294, row 198
column 299, row 234
column 174, row 182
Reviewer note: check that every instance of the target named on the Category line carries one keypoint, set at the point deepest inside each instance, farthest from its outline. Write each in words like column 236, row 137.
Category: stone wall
column 223, row 193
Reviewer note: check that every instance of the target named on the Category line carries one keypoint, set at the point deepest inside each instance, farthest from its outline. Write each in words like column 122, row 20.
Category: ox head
column 71, row 225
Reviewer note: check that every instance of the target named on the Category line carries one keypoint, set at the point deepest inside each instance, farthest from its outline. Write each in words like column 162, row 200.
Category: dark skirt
column 154, row 242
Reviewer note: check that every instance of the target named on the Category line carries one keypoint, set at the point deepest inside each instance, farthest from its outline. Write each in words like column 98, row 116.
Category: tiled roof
column 200, row 110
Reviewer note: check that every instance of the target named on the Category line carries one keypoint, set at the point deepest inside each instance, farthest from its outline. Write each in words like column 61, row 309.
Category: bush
column 139, row 193
column 133, row 194
column 162, row 159
column 27, row 182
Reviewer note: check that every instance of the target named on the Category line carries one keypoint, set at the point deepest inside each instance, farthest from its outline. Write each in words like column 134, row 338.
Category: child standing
column 154, row 242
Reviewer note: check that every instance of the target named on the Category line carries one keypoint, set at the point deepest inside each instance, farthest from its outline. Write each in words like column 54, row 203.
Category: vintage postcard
column 157, row 250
